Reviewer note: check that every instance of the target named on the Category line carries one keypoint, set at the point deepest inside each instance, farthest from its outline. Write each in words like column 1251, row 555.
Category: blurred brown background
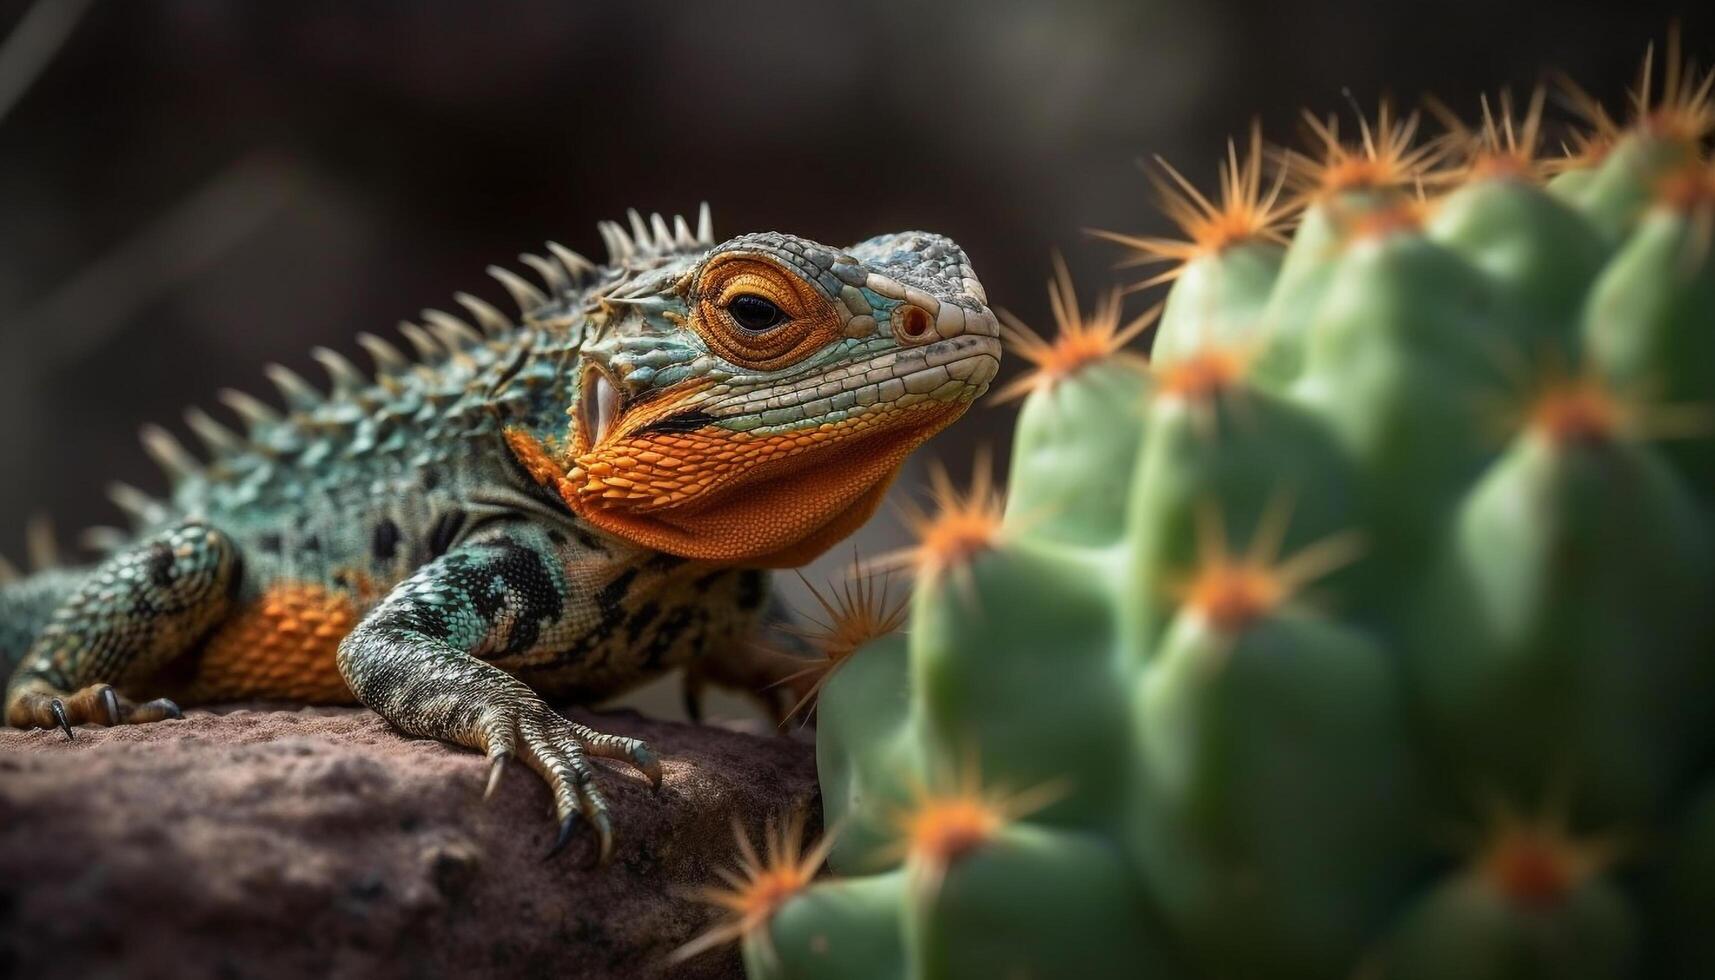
column 193, row 188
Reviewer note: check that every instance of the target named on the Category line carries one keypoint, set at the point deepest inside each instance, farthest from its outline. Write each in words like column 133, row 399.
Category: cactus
column 1366, row 630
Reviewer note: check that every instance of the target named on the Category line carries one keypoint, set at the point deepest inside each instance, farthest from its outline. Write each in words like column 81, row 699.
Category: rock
column 321, row 842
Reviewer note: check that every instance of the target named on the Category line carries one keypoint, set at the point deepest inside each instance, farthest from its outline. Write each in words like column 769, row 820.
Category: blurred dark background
column 190, row 188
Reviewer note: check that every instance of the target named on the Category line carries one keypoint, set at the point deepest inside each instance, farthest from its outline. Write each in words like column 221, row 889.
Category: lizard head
column 751, row 403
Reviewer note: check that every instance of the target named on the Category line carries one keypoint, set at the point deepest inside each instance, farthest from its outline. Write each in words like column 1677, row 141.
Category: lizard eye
column 754, row 313
column 760, row 315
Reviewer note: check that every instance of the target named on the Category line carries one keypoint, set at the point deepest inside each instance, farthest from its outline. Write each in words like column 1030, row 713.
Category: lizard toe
column 558, row 750
column 632, row 750
column 497, row 738
column 110, row 704
column 96, row 704
column 159, row 709
column 496, row 768
column 39, row 709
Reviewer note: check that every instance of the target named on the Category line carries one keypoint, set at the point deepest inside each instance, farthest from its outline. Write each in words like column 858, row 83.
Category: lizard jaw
column 782, row 504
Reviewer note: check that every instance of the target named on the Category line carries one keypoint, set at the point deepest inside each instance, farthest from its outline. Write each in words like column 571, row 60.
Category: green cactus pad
column 1408, row 529
column 840, row 930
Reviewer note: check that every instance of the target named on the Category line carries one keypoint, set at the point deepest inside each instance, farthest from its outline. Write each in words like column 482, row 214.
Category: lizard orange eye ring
column 760, row 316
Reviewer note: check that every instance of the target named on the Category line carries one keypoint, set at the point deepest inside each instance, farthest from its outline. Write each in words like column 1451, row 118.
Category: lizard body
column 560, row 505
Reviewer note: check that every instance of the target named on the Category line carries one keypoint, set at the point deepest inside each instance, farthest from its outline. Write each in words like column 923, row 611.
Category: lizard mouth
column 763, row 477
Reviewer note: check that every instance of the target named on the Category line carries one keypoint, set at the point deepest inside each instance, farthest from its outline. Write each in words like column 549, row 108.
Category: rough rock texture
column 318, row 842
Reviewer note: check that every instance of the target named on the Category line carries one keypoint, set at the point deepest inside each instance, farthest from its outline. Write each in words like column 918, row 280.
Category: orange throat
column 772, row 501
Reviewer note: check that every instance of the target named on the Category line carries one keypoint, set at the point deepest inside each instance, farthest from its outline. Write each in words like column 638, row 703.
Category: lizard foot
column 559, row 751
column 97, row 704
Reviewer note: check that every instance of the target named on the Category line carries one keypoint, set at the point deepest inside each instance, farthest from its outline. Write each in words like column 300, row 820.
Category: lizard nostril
column 914, row 323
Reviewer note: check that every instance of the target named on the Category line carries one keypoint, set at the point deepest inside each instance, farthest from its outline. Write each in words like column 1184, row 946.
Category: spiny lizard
column 557, row 505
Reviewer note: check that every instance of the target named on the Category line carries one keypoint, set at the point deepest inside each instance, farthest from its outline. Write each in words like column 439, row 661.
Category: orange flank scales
column 280, row 645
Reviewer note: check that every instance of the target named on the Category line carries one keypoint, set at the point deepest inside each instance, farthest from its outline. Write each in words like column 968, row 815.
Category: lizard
column 541, row 508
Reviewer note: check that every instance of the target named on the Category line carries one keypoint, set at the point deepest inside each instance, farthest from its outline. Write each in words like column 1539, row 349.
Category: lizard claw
column 110, row 701
column 604, row 838
column 58, row 707
column 649, row 764
column 563, row 836
column 495, row 769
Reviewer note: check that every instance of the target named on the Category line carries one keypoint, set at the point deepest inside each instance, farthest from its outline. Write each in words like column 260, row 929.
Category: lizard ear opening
column 759, row 315
column 597, row 409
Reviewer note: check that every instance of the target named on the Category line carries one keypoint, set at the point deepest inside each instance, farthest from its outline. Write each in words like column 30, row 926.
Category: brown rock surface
column 320, row 842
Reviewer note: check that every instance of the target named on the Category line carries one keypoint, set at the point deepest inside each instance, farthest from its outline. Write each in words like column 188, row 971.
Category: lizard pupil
column 755, row 314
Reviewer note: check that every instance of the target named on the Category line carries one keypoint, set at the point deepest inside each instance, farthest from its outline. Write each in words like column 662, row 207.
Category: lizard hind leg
column 142, row 606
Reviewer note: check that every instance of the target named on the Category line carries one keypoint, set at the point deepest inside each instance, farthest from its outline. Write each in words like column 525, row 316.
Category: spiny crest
column 170, row 454
column 854, row 613
column 648, row 241
column 759, row 885
column 41, row 545
column 952, row 814
column 1080, row 340
column 1248, row 211
column 1505, row 144
column 1386, row 156
column 958, row 528
column 563, row 272
column 140, row 507
column 444, row 338
column 41, row 549
column 1229, row 591
column 103, row 540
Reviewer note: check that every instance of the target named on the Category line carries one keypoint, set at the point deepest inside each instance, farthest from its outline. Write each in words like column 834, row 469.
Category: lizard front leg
column 141, row 607
column 416, row 659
